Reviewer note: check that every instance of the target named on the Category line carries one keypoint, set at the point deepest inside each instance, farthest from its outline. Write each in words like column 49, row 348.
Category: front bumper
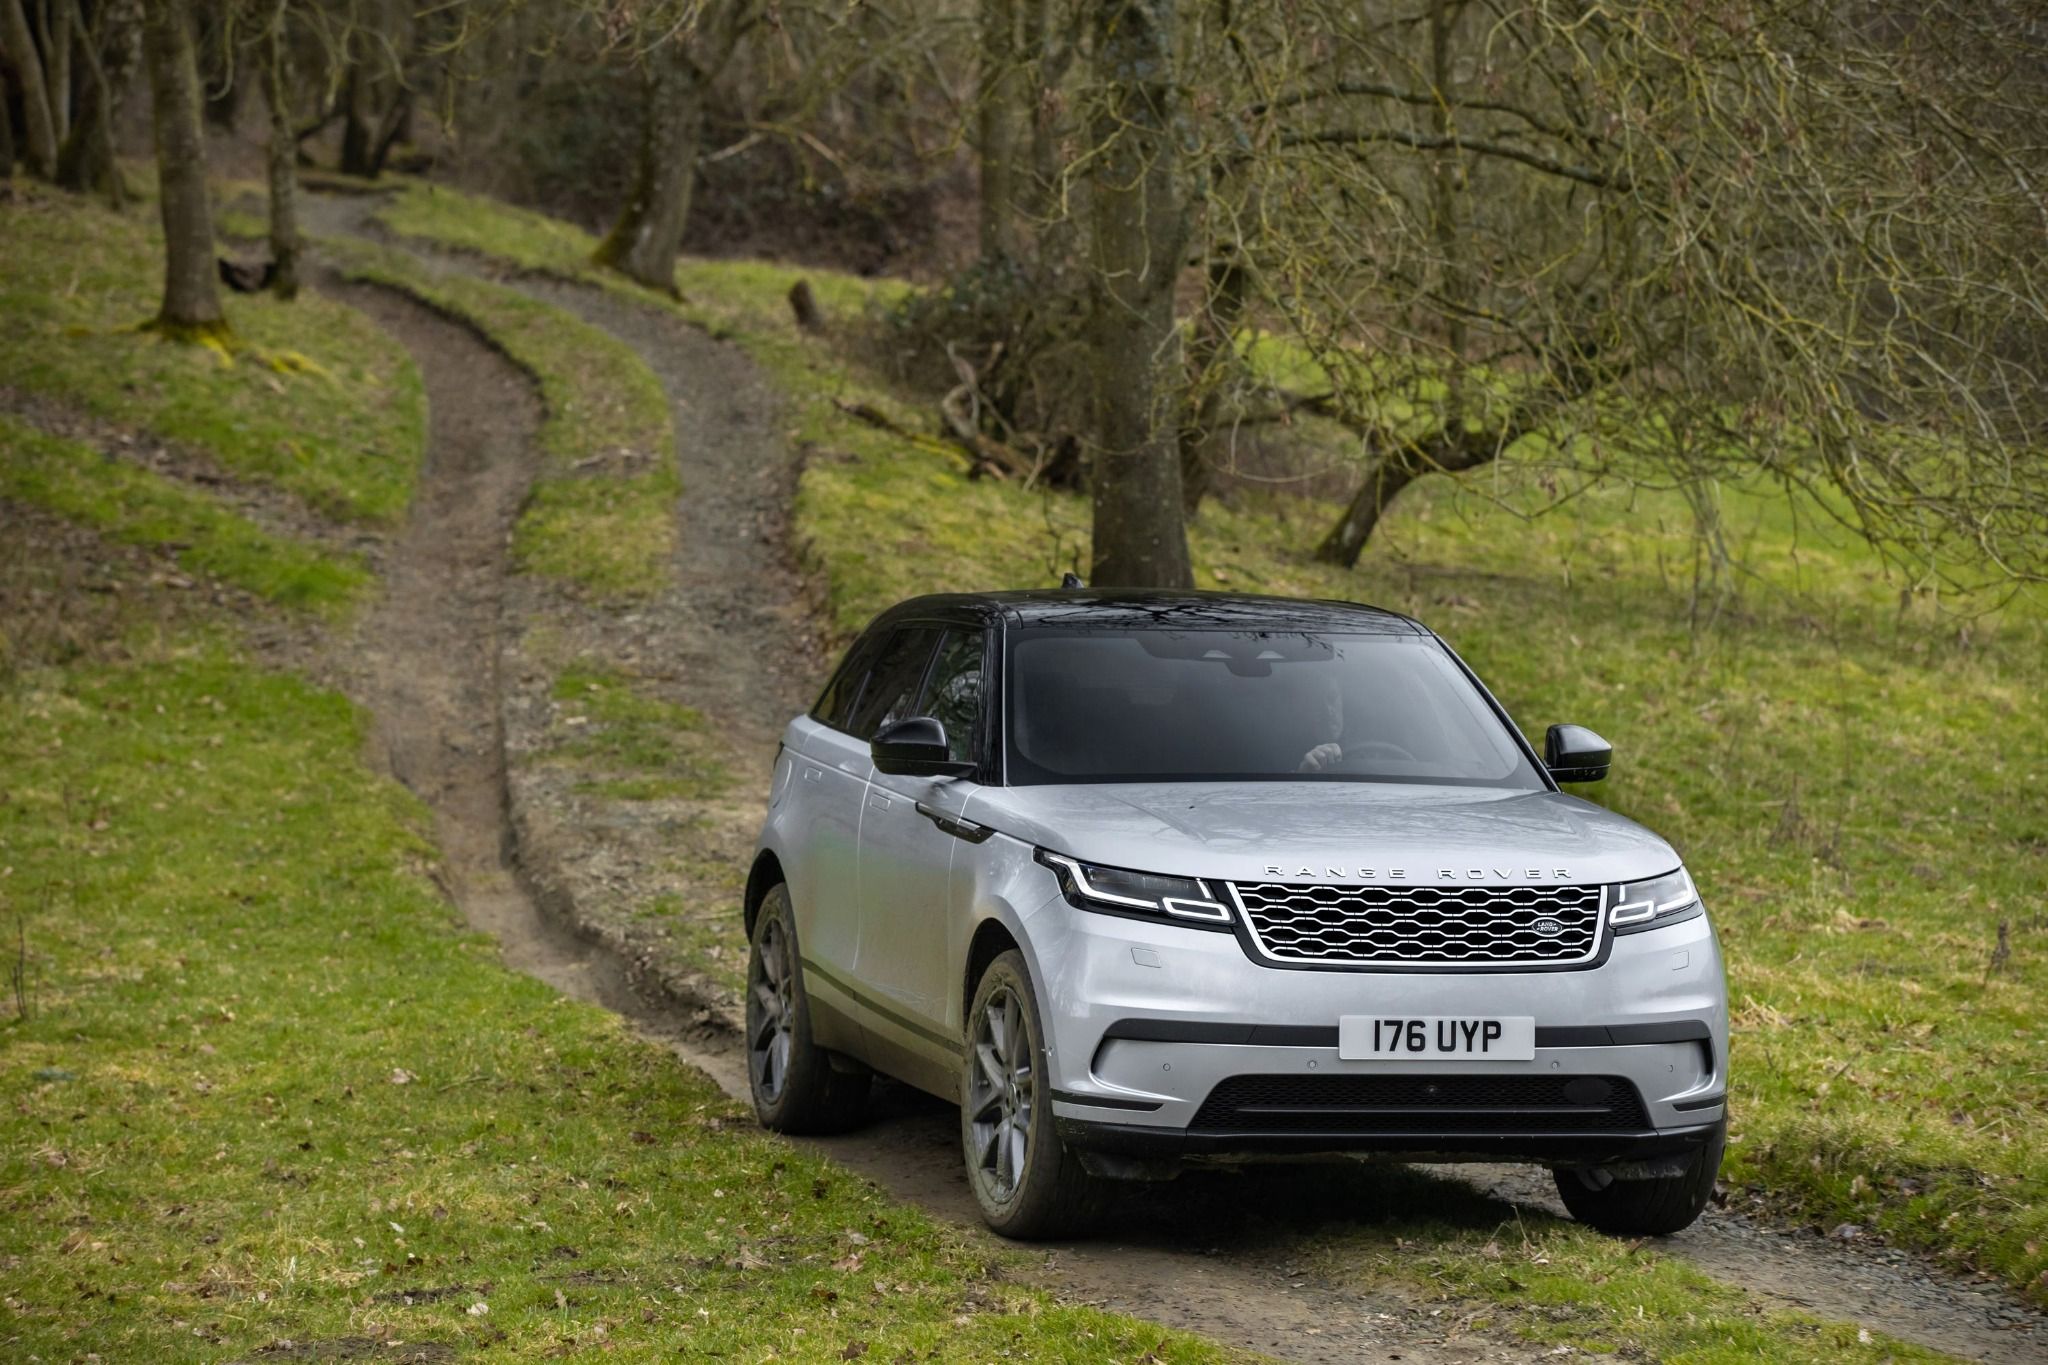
column 1651, row 1146
column 1146, row 1020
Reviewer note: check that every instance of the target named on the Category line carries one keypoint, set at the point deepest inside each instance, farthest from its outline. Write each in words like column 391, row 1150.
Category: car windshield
column 1148, row 704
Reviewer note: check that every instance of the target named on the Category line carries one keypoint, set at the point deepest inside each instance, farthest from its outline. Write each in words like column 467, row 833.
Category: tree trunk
column 1212, row 354
column 220, row 67
column 86, row 161
column 281, row 160
column 38, row 125
column 1139, row 226
column 1383, row 483
column 191, row 307
column 1001, row 86
column 62, row 17
column 645, row 240
column 6, row 131
column 358, row 130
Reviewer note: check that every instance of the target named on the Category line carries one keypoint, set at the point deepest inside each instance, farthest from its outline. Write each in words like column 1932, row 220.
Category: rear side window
column 893, row 681
column 835, row 705
column 952, row 696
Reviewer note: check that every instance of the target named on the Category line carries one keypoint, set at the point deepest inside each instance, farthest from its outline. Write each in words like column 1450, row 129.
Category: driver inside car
column 1328, row 708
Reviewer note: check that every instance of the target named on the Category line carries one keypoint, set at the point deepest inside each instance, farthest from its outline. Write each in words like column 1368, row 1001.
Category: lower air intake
column 1422, row 1104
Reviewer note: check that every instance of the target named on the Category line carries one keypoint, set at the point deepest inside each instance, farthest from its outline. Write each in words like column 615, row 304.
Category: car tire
column 1028, row 1182
column 1643, row 1208
column 797, row 1086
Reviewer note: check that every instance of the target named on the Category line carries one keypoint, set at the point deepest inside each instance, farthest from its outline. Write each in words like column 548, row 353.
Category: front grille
column 1422, row 1104
column 1422, row 925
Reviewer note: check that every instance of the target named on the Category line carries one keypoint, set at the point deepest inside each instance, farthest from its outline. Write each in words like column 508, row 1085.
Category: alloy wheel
column 770, row 1005
column 1002, row 1094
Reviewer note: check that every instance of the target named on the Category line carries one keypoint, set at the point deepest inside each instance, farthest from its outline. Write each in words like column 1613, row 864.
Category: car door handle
column 955, row 825
column 876, row 801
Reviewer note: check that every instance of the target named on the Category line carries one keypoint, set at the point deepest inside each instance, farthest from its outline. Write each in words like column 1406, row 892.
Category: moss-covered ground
column 316, row 401
column 1856, row 772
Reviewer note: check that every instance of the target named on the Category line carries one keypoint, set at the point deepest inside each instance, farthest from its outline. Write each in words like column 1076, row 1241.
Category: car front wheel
column 798, row 1087
column 1644, row 1208
column 1027, row 1181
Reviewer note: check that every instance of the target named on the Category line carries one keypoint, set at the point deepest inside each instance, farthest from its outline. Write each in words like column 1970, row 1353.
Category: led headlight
column 1142, row 895
column 1654, row 903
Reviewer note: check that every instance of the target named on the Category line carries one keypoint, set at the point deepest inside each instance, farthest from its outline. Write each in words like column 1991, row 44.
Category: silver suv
column 1142, row 878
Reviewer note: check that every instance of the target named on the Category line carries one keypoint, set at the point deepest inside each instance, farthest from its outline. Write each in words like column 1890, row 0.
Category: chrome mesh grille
column 1422, row 925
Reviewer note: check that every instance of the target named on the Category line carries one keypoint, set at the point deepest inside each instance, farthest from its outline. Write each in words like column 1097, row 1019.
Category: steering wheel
column 1374, row 748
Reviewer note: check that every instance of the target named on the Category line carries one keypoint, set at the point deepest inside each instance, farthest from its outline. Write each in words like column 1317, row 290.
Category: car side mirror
column 915, row 747
column 1575, row 754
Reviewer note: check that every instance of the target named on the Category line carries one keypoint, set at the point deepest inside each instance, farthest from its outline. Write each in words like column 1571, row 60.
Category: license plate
column 1434, row 1038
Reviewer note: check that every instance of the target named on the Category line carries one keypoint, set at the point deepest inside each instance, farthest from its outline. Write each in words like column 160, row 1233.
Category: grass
column 320, row 403
column 131, row 504
column 601, row 515
column 468, row 222
column 1853, row 770
column 637, row 747
column 267, row 1092
column 1554, row 1283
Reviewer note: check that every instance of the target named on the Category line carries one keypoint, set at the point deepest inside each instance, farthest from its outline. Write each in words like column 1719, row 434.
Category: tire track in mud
column 1215, row 1253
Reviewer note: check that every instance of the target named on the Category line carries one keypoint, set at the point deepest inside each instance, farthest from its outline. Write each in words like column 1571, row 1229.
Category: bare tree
column 107, row 47
column 999, row 141
column 281, row 155
column 1139, row 220
column 191, row 306
column 678, row 54
column 39, row 121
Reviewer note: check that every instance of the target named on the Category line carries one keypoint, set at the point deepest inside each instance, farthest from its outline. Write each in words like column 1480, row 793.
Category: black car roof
column 1188, row 610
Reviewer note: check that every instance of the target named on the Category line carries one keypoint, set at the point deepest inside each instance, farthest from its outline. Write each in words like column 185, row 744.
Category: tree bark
column 191, row 306
column 281, row 160
column 645, row 240
column 1139, row 230
column 998, row 129
column 1451, row 450
column 6, row 131
column 61, row 16
column 358, row 131
column 86, row 160
column 38, row 126
column 1383, row 483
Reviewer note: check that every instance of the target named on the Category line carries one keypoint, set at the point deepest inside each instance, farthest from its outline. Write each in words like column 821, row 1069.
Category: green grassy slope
column 321, row 404
column 1859, row 782
column 601, row 514
column 132, row 504
column 267, row 1091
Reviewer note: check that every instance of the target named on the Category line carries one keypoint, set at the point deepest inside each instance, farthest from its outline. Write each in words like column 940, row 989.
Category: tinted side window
column 953, row 695
column 835, row 705
column 891, row 693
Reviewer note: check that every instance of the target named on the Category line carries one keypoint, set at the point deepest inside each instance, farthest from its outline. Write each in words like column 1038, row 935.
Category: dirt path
column 1212, row 1253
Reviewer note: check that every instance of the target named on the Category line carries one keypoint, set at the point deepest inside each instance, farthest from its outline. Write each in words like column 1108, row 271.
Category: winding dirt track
column 1212, row 1253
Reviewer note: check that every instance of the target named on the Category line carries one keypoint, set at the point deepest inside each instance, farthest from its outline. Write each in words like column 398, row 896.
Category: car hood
column 1330, row 832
